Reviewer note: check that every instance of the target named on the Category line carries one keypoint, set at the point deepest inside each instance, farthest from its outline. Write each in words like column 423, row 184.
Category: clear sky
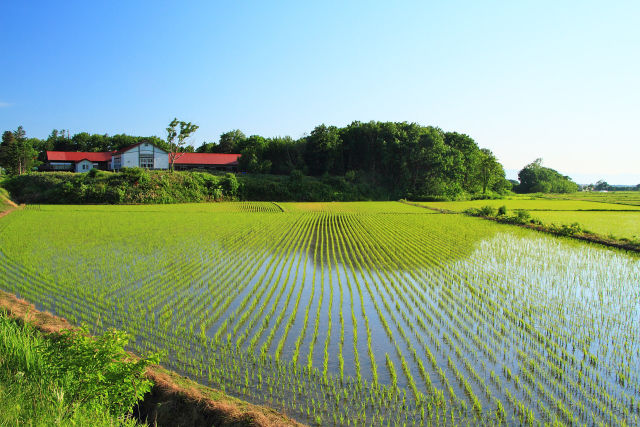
column 553, row 79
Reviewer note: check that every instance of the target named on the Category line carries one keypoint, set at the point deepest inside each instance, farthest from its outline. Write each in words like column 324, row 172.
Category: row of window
column 146, row 161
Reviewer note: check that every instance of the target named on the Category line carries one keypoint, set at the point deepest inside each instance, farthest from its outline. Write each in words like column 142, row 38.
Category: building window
column 146, row 161
column 116, row 162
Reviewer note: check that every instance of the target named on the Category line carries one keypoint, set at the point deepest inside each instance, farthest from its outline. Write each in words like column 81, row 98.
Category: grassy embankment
column 32, row 395
column 139, row 186
column 6, row 205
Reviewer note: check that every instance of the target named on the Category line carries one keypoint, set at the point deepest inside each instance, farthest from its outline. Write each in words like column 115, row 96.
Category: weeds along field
column 348, row 314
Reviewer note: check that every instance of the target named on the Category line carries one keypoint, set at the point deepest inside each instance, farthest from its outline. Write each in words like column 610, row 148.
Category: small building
column 77, row 161
column 143, row 155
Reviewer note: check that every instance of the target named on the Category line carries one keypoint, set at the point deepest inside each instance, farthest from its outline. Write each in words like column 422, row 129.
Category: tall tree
column 231, row 142
column 323, row 150
column 176, row 139
column 17, row 154
column 488, row 169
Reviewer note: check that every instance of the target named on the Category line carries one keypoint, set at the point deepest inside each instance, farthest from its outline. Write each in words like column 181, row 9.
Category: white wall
column 161, row 159
column 86, row 163
column 131, row 158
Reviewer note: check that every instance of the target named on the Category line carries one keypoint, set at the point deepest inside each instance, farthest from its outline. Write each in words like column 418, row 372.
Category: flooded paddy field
column 371, row 313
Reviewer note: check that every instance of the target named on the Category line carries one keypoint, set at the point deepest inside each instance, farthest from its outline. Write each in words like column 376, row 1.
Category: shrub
column 230, row 185
column 502, row 210
column 103, row 372
column 487, row 211
column 565, row 230
column 522, row 216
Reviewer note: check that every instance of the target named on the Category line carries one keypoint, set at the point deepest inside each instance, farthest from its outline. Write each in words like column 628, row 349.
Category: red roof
column 207, row 159
column 76, row 156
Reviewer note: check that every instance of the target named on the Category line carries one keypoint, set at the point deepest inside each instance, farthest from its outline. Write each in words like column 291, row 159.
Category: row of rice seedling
column 354, row 314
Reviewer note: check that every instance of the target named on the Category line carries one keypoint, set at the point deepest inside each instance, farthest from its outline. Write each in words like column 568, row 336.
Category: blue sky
column 557, row 80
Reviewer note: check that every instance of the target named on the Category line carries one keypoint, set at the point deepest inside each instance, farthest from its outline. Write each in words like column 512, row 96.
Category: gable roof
column 207, row 159
column 76, row 156
column 125, row 149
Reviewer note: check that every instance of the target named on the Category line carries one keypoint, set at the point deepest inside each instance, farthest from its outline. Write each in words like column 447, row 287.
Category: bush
column 565, row 230
column 522, row 216
column 502, row 210
column 487, row 211
column 230, row 185
column 102, row 374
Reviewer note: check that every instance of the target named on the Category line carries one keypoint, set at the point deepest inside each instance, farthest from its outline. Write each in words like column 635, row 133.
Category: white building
column 140, row 155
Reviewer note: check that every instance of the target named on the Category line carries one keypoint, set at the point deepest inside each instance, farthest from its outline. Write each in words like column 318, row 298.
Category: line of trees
column 602, row 185
column 405, row 159
column 408, row 159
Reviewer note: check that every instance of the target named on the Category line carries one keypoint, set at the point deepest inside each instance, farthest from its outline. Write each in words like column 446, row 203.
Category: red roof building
column 142, row 154
column 78, row 161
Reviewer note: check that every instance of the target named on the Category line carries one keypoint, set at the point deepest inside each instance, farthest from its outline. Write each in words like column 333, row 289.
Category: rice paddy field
column 533, row 204
column 618, row 220
column 622, row 197
column 608, row 223
column 376, row 313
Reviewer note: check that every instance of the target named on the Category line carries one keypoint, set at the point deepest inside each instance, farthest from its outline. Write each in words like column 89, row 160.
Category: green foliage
column 535, row 178
column 230, row 185
column 487, row 211
column 298, row 187
column 100, row 369
column 399, row 159
column 30, row 394
column 565, row 229
column 402, row 159
column 17, row 154
column 129, row 186
column 521, row 216
column 176, row 138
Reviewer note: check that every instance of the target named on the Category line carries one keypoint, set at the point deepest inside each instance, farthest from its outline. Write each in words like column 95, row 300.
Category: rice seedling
column 374, row 313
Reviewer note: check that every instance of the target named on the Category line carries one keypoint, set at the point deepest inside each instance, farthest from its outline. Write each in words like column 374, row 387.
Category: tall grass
column 29, row 395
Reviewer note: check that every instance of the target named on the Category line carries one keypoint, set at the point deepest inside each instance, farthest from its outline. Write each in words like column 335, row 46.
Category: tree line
column 408, row 159
column 403, row 159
